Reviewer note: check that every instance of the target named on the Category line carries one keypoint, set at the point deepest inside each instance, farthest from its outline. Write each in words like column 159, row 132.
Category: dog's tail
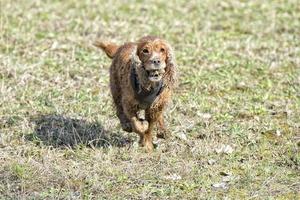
column 108, row 47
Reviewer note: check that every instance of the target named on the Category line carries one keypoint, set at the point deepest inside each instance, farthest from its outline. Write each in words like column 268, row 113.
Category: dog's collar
column 145, row 97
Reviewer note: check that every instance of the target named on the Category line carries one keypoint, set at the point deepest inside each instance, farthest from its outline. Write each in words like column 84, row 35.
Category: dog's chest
column 145, row 97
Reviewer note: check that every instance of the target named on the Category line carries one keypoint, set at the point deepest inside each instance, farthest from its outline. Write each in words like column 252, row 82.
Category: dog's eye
column 162, row 50
column 145, row 51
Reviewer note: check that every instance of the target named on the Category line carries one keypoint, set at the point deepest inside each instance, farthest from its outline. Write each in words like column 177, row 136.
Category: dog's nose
column 155, row 61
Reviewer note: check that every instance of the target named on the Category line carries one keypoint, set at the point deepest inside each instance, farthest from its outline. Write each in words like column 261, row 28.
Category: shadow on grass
column 61, row 131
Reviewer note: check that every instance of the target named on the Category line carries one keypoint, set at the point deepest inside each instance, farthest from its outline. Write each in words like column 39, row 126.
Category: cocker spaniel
column 142, row 78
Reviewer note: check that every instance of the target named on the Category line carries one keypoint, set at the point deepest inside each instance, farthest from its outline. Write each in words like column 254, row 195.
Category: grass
column 235, row 117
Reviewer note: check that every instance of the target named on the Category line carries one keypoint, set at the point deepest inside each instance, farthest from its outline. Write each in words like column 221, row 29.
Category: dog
column 143, row 75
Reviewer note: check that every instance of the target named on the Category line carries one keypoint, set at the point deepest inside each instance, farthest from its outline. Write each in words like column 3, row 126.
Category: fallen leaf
column 220, row 186
column 211, row 161
column 227, row 149
column 182, row 136
column 173, row 177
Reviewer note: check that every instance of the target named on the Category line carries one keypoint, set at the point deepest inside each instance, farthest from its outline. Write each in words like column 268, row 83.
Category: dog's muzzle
column 155, row 72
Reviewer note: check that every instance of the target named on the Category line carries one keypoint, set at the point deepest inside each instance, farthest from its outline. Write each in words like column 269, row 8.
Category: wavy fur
column 128, row 108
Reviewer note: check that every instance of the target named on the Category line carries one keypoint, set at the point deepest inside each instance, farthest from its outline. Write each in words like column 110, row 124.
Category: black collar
column 145, row 97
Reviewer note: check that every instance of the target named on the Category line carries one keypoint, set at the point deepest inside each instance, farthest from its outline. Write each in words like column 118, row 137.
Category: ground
column 235, row 115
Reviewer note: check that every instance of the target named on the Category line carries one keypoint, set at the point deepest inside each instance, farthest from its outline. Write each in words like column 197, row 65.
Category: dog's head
column 157, row 59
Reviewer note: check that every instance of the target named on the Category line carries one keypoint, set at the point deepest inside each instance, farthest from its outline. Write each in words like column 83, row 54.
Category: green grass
column 239, row 64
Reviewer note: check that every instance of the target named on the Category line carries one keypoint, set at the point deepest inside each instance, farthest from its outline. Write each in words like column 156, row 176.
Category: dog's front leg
column 144, row 129
column 163, row 132
column 147, row 141
column 139, row 126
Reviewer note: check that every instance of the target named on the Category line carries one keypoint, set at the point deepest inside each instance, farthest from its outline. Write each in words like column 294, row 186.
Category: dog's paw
column 147, row 145
column 143, row 126
column 139, row 126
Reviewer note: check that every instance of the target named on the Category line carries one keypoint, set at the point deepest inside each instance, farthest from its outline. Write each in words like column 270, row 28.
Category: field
column 235, row 115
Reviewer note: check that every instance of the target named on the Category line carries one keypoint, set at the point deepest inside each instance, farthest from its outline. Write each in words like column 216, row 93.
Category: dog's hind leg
column 117, row 98
column 125, row 122
column 147, row 141
column 162, row 131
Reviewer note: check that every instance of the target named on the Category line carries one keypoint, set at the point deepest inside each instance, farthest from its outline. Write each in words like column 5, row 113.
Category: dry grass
column 235, row 117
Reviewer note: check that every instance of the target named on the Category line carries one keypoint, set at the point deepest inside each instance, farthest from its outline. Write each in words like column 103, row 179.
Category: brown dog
column 142, row 77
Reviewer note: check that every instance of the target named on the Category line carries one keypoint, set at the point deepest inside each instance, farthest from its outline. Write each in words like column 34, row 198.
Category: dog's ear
column 171, row 67
column 135, row 60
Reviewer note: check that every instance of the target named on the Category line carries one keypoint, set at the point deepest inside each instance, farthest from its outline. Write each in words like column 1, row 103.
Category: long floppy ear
column 135, row 60
column 171, row 68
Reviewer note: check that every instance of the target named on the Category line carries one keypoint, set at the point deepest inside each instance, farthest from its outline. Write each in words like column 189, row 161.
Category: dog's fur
column 132, row 114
